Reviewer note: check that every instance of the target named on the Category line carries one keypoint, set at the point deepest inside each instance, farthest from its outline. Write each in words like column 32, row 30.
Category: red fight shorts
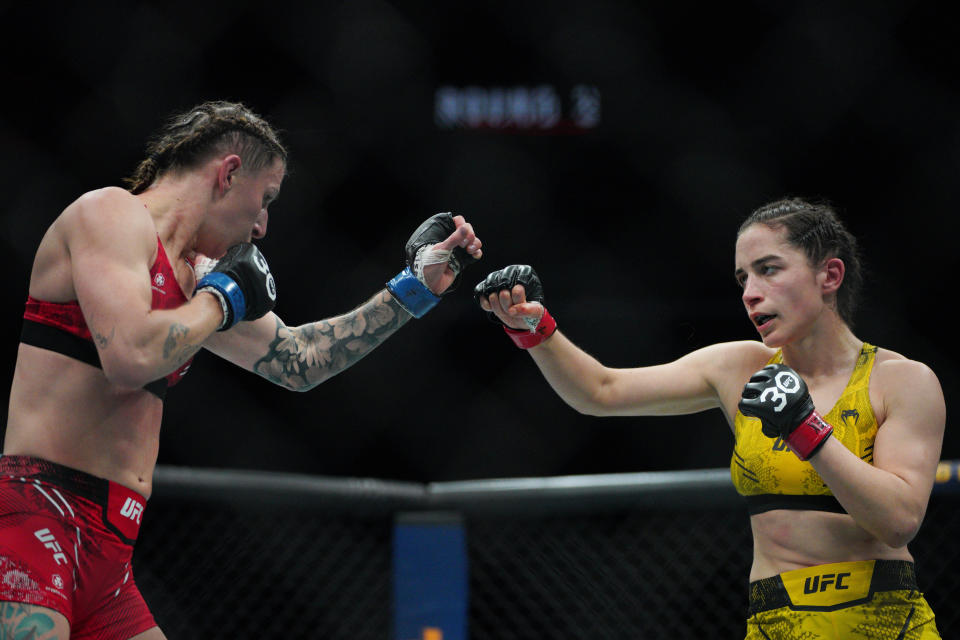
column 66, row 542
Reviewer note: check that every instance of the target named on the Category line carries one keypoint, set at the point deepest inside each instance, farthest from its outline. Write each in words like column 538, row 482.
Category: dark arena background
column 615, row 146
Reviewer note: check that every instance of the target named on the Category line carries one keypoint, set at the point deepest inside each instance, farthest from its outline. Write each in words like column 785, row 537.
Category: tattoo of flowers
column 303, row 357
column 20, row 622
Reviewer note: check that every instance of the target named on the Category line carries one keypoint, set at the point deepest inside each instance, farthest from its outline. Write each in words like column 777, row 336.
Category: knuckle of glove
column 531, row 283
column 248, row 268
column 507, row 278
column 433, row 230
column 482, row 291
column 493, row 284
column 751, row 407
column 524, row 275
column 778, row 397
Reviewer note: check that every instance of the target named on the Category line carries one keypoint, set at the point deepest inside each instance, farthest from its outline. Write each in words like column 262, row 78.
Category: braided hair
column 815, row 229
column 189, row 138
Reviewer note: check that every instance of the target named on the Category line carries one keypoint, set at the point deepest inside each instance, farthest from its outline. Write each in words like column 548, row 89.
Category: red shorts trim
column 66, row 543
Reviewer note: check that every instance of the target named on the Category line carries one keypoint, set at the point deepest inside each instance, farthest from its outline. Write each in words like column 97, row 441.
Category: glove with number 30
column 780, row 399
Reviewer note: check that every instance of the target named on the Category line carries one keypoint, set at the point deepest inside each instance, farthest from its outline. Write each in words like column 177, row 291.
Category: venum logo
column 850, row 413
column 50, row 542
column 132, row 509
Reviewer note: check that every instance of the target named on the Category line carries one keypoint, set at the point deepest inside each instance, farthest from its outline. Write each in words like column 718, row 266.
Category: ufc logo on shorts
column 50, row 542
column 822, row 583
column 132, row 509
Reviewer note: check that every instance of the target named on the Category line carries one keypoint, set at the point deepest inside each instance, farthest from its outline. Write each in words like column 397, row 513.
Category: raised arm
column 514, row 296
column 111, row 242
column 889, row 498
column 299, row 358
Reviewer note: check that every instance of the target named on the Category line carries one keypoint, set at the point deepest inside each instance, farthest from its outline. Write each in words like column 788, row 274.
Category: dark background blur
column 628, row 209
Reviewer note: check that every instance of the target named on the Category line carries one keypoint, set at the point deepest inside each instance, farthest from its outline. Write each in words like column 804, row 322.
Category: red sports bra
column 61, row 327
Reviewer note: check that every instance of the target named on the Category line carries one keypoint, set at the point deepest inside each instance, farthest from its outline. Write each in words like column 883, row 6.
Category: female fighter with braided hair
column 116, row 310
column 836, row 440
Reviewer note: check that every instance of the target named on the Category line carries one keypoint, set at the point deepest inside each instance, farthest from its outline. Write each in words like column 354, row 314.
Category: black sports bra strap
column 51, row 338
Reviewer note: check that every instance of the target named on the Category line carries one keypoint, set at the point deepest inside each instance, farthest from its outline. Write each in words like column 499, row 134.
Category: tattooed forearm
column 103, row 341
column 19, row 621
column 176, row 347
column 302, row 357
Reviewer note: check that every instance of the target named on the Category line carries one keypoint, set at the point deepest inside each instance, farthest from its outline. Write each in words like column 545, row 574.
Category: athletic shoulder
column 892, row 369
column 899, row 384
column 728, row 365
column 734, row 356
column 109, row 214
column 107, row 203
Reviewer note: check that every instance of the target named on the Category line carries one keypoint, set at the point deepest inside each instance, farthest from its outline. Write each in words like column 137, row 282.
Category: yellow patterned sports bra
column 770, row 476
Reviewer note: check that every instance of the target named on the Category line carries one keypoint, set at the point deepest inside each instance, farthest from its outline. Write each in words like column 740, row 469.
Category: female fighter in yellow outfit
column 834, row 496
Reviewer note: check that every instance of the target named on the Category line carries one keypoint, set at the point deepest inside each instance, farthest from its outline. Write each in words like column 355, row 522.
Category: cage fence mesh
column 235, row 570
column 209, row 572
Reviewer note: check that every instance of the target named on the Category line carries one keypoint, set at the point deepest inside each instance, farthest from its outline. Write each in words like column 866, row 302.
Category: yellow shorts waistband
column 827, row 587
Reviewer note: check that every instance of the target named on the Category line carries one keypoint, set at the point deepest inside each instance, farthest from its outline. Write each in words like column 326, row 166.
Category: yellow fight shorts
column 847, row 600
